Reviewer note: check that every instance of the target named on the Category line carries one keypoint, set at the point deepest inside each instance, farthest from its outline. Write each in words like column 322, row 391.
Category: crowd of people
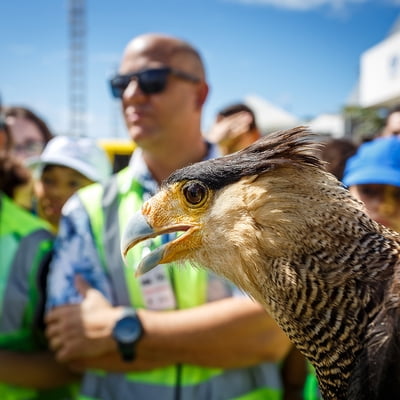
column 75, row 323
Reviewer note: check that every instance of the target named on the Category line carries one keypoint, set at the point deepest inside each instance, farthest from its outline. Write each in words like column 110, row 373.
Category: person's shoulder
column 19, row 220
column 91, row 197
column 93, row 190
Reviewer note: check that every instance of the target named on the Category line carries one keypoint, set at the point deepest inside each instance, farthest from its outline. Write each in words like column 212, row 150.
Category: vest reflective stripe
column 21, row 290
column 97, row 222
column 191, row 289
column 10, row 243
column 130, row 202
column 115, row 219
column 232, row 384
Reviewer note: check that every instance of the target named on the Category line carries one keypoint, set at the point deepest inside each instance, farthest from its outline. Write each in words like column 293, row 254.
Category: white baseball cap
column 82, row 154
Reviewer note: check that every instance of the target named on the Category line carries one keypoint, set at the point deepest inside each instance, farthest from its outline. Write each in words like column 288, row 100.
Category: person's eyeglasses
column 29, row 148
column 150, row 81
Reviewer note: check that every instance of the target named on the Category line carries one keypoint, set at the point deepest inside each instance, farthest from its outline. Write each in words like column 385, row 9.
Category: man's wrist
column 111, row 317
column 127, row 331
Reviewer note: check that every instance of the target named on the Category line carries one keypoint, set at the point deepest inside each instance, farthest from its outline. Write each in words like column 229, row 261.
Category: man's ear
column 202, row 93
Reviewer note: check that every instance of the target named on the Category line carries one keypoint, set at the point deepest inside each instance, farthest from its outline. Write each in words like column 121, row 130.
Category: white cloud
column 303, row 5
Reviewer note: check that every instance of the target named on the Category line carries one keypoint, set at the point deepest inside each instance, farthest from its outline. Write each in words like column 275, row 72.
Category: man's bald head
column 166, row 50
column 161, row 121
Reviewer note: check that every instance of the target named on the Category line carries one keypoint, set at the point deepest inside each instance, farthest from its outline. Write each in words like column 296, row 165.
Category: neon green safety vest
column 109, row 209
column 25, row 246
column 311, row 388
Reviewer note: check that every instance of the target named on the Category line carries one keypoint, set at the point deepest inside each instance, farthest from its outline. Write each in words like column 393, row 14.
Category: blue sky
column 301, row 55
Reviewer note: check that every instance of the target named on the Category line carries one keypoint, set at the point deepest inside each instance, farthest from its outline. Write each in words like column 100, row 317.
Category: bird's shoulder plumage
column 376, row 373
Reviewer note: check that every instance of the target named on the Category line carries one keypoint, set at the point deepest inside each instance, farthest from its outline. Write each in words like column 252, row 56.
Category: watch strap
column 127, row 349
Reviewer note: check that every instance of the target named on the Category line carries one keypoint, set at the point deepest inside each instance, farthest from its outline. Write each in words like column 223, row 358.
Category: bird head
column 258, row 202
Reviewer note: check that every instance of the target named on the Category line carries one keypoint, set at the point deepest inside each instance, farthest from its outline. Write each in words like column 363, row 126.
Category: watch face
column 127, row 329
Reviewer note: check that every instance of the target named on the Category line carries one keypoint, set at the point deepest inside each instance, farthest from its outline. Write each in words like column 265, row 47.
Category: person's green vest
column 25, row 247
column 311, row 388
column 109, row 209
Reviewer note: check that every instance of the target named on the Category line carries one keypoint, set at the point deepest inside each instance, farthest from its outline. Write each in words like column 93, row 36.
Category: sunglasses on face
column 150, row 81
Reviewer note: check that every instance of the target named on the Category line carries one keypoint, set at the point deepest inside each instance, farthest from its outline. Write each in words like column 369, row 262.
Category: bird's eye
column 195, row 193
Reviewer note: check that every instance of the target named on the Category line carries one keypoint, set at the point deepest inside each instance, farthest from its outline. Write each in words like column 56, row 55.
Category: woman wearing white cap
column 66, row 165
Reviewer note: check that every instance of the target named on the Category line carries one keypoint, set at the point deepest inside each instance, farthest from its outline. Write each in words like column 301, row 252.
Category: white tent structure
column 379, row 81
column 269, row 117
column 328, row 124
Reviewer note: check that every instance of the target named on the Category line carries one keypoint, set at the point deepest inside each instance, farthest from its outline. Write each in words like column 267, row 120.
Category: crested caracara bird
column 273, row 221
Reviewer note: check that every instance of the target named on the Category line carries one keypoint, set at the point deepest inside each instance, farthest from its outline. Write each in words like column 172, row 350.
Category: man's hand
column 230, row 127
column 82, row 330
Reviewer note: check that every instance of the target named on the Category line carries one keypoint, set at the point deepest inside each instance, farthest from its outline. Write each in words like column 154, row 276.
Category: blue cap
column 377, row 161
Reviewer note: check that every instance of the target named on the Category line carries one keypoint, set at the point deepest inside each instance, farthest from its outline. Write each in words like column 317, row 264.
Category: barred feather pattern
column 328, row 324
column 327, row 295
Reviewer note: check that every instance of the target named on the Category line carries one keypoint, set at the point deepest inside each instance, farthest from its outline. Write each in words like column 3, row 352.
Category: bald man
column 172, row 334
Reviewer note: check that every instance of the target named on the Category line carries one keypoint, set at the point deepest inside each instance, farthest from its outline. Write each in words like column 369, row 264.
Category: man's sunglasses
column 150, row 81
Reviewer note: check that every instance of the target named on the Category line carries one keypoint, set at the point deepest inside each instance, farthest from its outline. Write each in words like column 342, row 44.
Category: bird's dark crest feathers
column 295, row 146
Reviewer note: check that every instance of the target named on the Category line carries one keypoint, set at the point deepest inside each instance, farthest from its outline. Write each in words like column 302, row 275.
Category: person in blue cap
column 373, row 176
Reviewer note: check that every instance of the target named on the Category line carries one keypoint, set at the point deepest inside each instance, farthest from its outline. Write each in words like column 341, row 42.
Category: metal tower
column 77, row 67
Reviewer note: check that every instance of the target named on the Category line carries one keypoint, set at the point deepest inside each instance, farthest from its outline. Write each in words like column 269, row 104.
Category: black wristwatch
column 127, row 332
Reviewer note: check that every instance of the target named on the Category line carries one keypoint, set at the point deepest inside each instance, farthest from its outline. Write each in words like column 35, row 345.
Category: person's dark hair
column 236, row 108
column 335, row 153
column 392, row 110
column 26, row 113
column 13, row 173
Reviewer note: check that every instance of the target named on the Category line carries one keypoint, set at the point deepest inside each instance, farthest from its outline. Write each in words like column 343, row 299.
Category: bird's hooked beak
column 136, row 231
column 139, row 229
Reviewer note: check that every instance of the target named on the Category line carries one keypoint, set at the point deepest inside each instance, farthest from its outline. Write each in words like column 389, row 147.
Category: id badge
column 157, row 291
